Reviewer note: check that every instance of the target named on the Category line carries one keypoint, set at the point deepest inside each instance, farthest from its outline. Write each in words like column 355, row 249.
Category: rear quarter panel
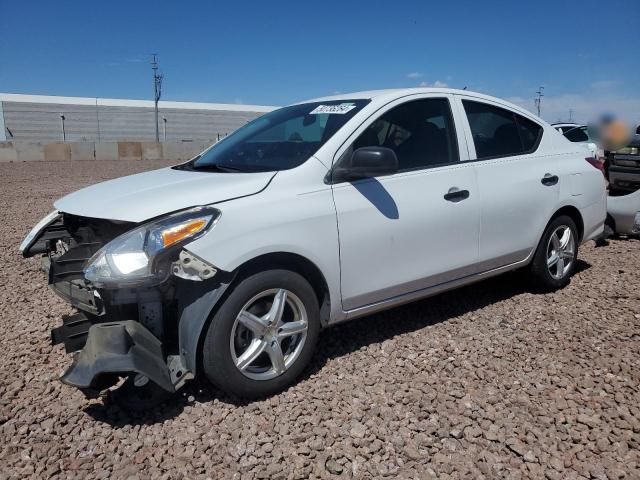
column 584, row 187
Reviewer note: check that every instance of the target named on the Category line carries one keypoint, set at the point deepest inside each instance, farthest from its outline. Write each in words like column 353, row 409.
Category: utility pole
column 97, row 120
column 538, row 100
column 571, row 115
column 64, row 133
column 157, row 90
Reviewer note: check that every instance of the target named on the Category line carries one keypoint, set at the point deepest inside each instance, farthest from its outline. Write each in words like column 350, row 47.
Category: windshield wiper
column 213, row 167
column 188, row 165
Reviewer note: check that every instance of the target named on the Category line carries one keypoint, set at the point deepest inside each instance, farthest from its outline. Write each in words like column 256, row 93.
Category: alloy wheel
column 560, row 252
column 268, row 334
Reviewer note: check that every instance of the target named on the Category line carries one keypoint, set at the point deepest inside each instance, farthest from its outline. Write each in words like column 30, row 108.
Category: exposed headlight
column 141, row 256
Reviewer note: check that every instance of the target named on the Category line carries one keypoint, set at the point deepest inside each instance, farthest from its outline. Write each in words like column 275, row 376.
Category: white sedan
column 311, row 215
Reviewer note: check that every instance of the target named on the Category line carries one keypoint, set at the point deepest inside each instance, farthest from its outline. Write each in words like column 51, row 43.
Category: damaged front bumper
column 104, row 352
column 148, row 333
column 118, row 348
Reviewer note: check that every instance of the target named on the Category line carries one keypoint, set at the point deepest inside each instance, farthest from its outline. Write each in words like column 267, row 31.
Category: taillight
column 595, row 163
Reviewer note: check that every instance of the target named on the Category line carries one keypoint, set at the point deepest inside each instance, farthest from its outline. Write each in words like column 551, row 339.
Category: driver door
column 414, row 229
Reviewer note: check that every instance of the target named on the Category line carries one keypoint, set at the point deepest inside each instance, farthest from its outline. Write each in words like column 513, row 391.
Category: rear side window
column 420, row 132
column 498, row 132
column 530, row 133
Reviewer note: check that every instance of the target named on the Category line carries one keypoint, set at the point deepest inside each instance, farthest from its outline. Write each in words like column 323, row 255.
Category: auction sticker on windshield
column 339, row 109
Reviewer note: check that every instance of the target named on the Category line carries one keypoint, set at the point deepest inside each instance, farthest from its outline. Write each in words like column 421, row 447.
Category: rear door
column 518, row 185
column 419, row 227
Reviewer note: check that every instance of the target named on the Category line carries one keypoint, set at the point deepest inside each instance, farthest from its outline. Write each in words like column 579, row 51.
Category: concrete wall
column 3, row 131
column 17, row 151
column 36, row 118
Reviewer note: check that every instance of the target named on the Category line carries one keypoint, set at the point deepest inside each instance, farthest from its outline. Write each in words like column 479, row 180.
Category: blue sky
column 585, row 53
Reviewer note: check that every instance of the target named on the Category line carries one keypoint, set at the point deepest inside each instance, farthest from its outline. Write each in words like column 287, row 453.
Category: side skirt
column 431, row 291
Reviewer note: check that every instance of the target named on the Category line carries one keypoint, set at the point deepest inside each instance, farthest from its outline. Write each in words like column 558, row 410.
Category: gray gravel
column 491, row 381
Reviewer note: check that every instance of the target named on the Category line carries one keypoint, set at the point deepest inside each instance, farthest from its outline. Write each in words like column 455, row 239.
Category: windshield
column 279, row 140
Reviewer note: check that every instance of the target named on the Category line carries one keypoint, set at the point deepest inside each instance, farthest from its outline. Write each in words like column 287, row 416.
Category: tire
column 545, row 274
column 232, row 340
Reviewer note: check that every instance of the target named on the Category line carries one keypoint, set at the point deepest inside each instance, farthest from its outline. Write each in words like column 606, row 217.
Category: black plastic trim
column 118, row 348
column 614, row 168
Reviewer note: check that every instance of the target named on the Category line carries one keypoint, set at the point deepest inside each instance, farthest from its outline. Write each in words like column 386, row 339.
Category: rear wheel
column 263, row 335
column 555, row 258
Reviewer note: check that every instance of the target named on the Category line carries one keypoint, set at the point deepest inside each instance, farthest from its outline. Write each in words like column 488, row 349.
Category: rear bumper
column 624, row 178
column 625, row 212
column 116, row 349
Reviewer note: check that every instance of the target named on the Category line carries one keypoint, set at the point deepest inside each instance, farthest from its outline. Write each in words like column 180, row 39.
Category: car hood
column 139, row 197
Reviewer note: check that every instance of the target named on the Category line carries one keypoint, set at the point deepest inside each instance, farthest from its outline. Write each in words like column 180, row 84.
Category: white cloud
column 604, row 84
column 585, row 107
column 414, row 75
column 437, row 84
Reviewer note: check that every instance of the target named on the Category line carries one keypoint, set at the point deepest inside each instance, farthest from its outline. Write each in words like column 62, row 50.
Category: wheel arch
column 296, row 263
column 193, row 330
column 573, row 213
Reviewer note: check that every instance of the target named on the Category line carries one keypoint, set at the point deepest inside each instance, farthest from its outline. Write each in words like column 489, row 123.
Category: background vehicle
column 624, row 213
column 310, row 215
column 576, row 133
column 624, row 167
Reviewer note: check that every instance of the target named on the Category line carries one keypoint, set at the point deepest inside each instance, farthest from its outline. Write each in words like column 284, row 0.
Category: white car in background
column 577, row 133
column 624, row 214
column 311, row 215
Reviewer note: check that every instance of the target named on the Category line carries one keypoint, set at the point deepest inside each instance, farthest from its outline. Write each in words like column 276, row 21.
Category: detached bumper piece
column 73, row 332
column 117, row 348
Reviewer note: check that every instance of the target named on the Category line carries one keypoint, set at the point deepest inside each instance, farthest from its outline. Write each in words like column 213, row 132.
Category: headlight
column 142, row 255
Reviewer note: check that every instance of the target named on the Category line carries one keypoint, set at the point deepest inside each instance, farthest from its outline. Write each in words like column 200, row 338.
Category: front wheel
column 263, row 335
column 555, row 259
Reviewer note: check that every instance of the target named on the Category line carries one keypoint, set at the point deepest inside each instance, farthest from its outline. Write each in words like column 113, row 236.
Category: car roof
column 567, row 124
column 395, row 93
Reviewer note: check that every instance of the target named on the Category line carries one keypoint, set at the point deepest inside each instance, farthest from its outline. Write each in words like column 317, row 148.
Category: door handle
column 549, row 180
column 456, row 195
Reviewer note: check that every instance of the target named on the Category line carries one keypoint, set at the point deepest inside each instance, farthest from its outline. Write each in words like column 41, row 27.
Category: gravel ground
column 491, row 381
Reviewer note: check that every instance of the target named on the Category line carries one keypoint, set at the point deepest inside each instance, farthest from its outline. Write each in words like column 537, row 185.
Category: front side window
column 278, row 140
column 498, row 132
column 420, row 132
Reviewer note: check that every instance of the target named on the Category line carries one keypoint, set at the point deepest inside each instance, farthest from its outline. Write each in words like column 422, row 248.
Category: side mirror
column 367, row 162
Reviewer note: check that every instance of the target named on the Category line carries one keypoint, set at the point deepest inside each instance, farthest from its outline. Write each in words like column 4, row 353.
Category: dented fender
column 196, row 302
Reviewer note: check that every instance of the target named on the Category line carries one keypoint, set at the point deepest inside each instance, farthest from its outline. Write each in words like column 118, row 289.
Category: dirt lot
column 491, row 381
